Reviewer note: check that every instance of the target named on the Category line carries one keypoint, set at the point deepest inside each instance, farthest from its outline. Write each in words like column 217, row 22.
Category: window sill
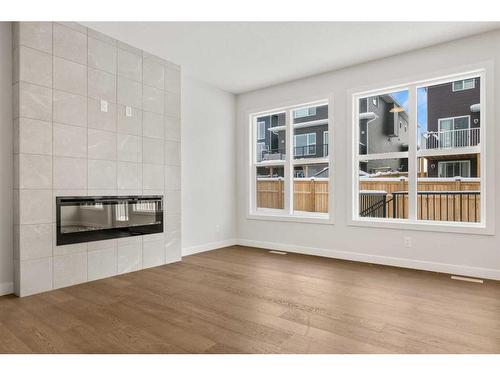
column 428, row 226
column 295, row 218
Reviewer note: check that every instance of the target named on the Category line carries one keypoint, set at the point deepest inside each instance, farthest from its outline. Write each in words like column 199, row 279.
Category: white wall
column 208, row 167
column 6, row 247
column 476, row 255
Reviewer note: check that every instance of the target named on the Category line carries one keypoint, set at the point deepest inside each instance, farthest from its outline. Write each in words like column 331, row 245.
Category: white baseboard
column 207, row 247
column 485, row 273
column 6, row 288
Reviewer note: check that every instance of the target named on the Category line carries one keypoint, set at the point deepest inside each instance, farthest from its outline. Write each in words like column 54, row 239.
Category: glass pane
column 448, row 180
column 271, row 136
column 383, row 188
column 270, row 187
column 311, row 170
column 308, row 132
column 96, row 216
column 310, row 186
column 383, row 127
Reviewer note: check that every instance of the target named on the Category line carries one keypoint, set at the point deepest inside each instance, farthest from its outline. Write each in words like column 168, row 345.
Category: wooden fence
column 312, row 196
column 309, row 195
column 441, row 200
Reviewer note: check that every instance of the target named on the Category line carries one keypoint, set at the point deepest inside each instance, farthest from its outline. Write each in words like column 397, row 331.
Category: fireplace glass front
column 85, row 219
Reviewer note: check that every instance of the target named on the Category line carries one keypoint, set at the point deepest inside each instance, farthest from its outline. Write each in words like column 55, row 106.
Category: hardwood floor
column 246, row 300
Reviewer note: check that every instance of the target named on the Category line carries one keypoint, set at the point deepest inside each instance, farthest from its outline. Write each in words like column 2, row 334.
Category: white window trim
column 287, row 214
column 486, row 226
column 463, row 85
column 261, row 135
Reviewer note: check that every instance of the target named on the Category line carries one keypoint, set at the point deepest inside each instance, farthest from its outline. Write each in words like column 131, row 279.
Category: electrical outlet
column 407, row 241
column 217, row 228
column 104, row 106
column 128, row 111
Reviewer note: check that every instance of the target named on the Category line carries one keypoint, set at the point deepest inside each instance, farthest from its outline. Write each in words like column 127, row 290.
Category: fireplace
column 86, row 219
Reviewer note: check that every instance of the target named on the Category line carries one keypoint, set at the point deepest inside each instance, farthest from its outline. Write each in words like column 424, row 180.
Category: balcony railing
column 311, row 151
column 451, row 139
column 272, row 154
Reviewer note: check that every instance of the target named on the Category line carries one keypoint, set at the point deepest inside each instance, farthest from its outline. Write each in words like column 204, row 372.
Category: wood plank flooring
column 247, row 300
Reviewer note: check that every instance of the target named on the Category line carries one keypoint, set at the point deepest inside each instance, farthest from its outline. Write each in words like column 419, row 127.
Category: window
column 450, row 169
column 454, row 131
column 291, row 184
column 411, row 176
column 465, row 84
column 325, row 143
column 304, row 144
column 304, row 112
column 261, row 130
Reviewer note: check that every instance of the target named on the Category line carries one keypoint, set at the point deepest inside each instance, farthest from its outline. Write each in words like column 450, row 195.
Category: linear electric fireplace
column 86, row 219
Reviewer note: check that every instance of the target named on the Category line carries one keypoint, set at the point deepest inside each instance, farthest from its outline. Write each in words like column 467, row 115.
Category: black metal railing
column 431, row 205
column 311, row 151
column 373, row 204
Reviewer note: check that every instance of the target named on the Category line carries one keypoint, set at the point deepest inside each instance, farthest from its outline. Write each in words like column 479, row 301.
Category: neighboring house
column 310, row 138
column 453, row 125
column 383, row 127
column 310, row 134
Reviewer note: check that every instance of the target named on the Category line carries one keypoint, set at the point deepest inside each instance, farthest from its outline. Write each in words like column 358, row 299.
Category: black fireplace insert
column 86, row 219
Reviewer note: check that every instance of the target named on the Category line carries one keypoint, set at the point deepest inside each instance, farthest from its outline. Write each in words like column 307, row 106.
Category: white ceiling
column 243, row 56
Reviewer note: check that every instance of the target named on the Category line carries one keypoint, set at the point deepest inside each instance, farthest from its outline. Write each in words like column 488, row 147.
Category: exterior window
column 454, row 132
column 304, row 144
column 465, row 84
column 433, row 177
column 450, row 169
column 304, row 112
column 261, row 130
column 325, row 143
column 292, row 184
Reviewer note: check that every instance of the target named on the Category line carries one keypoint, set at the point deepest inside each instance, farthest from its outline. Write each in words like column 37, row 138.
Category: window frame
column 288, row 214
column 486, row 225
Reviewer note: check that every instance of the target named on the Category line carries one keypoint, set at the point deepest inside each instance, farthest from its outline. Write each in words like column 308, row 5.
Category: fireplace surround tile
column 70, row 43
column 69, row 269
column 68, row 144
column 102, row 263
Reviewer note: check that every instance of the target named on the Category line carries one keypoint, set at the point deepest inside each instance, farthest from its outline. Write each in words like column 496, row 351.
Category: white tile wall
column 69, row 269
column 66, row 145
column 70, row 173
column 102, row 263
column 70, row 76
column 129, row 256
column 34, row 66
column 69, row 140
column 70, row 44
column 102, row 55
column 129, row 148
column 33, row 136
column 69, row 108
column 129, row 65
column 102, row 85
column 153, row 253
column 101, row 144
